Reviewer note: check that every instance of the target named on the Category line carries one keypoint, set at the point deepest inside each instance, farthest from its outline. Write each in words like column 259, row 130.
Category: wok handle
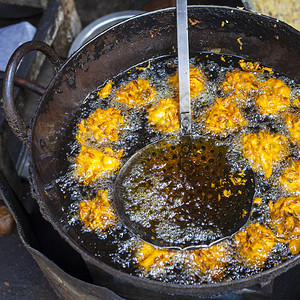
column 14, row 120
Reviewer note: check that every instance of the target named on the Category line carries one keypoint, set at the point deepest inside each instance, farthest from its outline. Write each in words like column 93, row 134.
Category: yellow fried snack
column 136, row 93
column 211, row 259
column 196, row 81
column 285, row 218
column 165, row 116
column 274, row 97
column 224, row 117
column 293, row 124
column 264, row 149
column 254, row 244
column 105, row 91
column 239, row 82
column 97, row 214
column 254, row 67
column 102, row 124
column 149, row 256
column 92, row 164
column 290, row 178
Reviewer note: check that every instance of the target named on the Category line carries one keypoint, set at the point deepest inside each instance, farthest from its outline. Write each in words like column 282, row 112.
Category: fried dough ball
column 274, row 97
column 211, row 260
column 102, row 124
column 293, row 124
column 264, row 149
column 149, row 256
column 290, row 178
column 240, row 83
column 165, row 116
column 136, row 93
column 92, row 164
column 105, row 91
column 285, row 218
column 254, row 244
column 224, row 117
column 97, row 214
column 196, row 81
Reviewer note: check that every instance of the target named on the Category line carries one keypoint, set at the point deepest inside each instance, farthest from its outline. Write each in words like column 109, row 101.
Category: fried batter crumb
column 274, row 97
column 264, row 149
column 97, row 214
column 224, row 117
column 102, row 124
column 196, row 81
column 254, row 244
column 92, row 164
column 136, row 93
column 165, row 116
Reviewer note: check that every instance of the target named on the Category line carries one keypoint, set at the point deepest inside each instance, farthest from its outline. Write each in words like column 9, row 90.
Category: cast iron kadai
column 125, row 45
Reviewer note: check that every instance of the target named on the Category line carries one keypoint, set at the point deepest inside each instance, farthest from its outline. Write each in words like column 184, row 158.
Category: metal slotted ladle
column 182, row 192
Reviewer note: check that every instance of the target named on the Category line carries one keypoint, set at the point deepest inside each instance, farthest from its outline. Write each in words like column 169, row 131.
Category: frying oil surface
column 227, row 120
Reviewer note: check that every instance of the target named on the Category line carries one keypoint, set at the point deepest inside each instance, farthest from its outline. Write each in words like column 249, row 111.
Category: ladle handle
column 15, row 122
column 183, row 66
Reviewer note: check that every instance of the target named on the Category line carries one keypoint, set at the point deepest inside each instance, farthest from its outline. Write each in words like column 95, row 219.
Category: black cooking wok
column 217, row 29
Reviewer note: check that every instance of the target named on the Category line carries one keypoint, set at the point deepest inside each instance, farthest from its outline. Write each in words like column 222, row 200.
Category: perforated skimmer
column 182, row 192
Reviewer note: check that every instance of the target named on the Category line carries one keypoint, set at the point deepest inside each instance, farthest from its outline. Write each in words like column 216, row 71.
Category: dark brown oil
column 183, row 193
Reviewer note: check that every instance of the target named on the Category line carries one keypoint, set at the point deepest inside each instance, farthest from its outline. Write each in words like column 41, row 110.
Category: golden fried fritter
column 224, row 117
column 293, row 124
column 240, row 83
column 97, row 214
column 136, row 93
column 264, row 149
column 101, row 125
column 105, row 91
column 165, row 116
column 285, row 218
column 92, row 164
column 274, row 97
column 254, row 244
column 290, row 178
column 149, row 256
column 196, row 81
column 211, row 259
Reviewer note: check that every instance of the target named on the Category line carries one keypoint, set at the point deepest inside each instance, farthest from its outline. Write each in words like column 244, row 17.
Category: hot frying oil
column 117, row 246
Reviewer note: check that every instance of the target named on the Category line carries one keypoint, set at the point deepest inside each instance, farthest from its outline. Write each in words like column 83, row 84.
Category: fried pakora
column 103, row 124
column 274, row 97
column 255, row 244
column 211, row 260
column 285, row 218
column 165, row 116
column 241, row 83
column 264, row 149
column 136, row 93
column 292, row 122
column 92, row 163
column 196, row 81
column 105, row 91
column 97, row 214
column 149, row 256
column 290, row 178
column 224, row 117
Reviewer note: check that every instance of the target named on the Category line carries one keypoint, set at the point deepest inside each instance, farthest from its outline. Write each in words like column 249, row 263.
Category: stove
column 35, row 262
